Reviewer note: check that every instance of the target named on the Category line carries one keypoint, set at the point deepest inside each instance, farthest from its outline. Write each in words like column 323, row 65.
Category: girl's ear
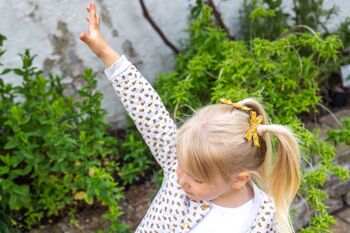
column 240, row 179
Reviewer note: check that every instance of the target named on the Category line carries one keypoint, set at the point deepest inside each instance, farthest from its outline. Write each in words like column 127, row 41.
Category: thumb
column 85, row 36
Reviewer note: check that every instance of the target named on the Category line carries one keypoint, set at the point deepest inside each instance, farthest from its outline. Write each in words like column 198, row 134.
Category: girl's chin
column 192, row 197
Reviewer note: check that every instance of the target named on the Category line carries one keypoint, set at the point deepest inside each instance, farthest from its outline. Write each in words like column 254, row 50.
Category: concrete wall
column 51, row 30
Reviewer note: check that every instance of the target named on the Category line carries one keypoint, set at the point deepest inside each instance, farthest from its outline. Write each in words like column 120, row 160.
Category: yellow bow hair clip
column 252, row 132
column 254, row 121
column 238, row 106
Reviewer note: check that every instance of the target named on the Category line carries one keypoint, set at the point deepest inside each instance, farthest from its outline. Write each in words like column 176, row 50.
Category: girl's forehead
column 181, row 165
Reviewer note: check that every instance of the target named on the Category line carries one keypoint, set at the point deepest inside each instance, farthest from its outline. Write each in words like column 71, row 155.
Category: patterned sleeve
column 146, row 109
column 273, row 226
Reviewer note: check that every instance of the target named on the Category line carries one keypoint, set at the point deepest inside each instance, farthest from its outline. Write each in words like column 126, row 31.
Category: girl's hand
column 95, row 40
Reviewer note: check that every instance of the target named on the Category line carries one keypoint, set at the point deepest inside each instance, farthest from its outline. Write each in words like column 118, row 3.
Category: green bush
column 267, row 19
column 282, row 73
column 264, row 19
column 54, row 151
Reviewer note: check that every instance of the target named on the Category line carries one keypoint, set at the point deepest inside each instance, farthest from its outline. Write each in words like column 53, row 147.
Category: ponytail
column 280, row 175
column 284, row 179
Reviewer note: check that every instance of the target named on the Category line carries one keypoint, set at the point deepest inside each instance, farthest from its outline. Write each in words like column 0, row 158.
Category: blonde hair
column 211, row 144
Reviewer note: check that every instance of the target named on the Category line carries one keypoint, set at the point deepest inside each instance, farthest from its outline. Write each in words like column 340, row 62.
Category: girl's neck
column 235, row 198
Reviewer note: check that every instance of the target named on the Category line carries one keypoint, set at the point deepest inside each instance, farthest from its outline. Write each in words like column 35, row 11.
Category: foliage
column 54, row 152
column 137, row 159
column 279, row 73
column 312, row 14
column 267, row 18
column 341, row 135
column 344, row 32
column 264, row 19
column 274, row 22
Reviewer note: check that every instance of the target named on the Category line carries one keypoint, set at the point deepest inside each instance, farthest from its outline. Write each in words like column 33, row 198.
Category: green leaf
column 4, row 170
column 18, row 71
column 12, row 143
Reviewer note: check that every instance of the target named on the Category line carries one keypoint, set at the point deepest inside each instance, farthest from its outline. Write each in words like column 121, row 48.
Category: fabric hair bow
column 254, row 121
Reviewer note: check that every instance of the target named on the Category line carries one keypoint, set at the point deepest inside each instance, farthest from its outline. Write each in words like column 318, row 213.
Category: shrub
column 54, row 151
column 268, row 19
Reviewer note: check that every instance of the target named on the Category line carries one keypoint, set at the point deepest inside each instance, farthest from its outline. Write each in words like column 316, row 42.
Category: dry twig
column 218, row 18
column 156, row 28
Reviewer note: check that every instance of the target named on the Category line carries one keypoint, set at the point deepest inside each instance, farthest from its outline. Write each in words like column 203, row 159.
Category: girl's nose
column 181, row 178
column 182, row 181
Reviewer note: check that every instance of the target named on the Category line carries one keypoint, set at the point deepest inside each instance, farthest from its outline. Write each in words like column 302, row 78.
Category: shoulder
column 265, row 219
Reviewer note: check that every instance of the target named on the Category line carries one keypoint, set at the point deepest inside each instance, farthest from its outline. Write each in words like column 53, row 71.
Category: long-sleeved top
column 171, row 210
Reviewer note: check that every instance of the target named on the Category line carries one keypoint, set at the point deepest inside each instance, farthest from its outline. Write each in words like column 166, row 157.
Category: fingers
column 98, row 20
column 93, row 19
column 92, row 9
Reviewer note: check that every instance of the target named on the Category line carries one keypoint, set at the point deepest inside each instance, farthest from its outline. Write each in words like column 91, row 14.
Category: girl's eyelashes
column 198, row 181
column 188, row 174
column 195, row 180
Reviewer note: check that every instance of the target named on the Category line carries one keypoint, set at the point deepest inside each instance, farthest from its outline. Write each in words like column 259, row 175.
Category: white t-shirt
column 225, row 220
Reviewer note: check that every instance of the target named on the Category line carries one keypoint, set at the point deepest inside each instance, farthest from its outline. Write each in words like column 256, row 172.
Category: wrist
column 108, row 55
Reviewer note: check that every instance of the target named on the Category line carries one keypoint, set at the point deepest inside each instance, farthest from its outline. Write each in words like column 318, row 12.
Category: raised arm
column 138, row 97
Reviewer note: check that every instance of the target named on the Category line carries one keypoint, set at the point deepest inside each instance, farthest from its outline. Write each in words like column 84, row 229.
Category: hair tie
column 255, row 121
column 261, row 129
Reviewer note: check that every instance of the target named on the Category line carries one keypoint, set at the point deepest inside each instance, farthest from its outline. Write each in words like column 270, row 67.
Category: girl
column 216, row 165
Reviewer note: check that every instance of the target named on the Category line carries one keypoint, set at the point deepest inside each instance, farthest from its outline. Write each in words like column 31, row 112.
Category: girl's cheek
column 178, row 172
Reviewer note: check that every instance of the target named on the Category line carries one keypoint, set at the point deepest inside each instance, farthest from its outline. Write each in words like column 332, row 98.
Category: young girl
column 216, row 165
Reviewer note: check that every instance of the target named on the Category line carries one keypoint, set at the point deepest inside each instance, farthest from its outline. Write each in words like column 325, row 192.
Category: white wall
column 51, row 30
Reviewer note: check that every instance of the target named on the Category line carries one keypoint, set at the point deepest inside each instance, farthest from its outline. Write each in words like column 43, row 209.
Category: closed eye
column 198, row 181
